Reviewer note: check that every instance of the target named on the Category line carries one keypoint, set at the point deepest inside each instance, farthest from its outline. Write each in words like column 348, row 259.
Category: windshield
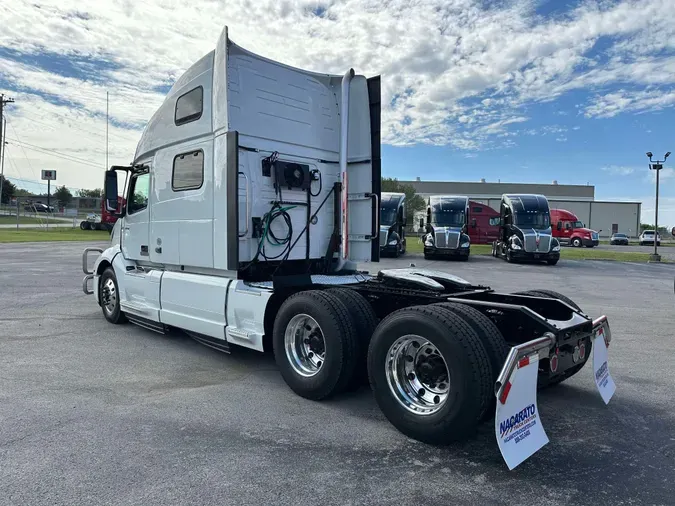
column 387, row 216
column 537, row 220
column 577, row 224
column 448, row 218
column 619, row 235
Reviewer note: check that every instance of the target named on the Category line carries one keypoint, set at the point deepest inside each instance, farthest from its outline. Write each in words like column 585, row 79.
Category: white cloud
column 618, row 170
column 611, row 104
column 665, row 174
column 455, row 72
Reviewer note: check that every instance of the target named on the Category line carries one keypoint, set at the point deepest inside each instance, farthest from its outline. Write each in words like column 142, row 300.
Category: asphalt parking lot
column 92, row 413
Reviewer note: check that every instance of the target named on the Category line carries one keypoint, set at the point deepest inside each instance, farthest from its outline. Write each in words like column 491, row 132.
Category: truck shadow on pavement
column 626, row 447
column 602, row 454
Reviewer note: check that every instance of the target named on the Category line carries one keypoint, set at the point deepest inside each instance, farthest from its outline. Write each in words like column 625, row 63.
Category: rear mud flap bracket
column 518, row 426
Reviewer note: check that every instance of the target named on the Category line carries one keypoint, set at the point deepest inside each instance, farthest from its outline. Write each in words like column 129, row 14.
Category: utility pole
column 3, row 143
column 3, row 134
column 656, row 165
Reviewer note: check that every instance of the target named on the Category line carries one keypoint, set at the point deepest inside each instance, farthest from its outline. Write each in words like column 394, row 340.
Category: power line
column 91, row 131
column 58, row 154
column 39, row 183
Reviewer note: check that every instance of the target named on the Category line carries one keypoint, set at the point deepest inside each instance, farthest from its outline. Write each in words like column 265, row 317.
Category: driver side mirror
column 110, row 191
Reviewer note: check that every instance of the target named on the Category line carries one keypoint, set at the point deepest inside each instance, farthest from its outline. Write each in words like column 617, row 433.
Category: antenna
column 106, row 129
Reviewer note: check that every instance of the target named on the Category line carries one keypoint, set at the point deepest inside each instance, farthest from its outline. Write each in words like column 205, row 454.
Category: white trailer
column 251, row 201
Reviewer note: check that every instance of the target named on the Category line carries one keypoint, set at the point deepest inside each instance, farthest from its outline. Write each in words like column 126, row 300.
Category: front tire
column 84, row 225
column 509, row 258
column 315, row 344
column 110, row 297
column 576, row 242
column 430, row 374
column 552, row 261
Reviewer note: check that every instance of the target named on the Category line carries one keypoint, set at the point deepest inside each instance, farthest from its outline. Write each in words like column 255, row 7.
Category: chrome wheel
column 417, row 375
column 109, row 296
column 305, row 345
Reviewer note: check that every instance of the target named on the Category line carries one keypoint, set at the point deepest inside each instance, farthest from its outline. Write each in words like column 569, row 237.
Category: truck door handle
column 158, row 249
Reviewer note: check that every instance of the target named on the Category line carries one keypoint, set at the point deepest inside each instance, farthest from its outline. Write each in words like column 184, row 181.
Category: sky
column 511, row 90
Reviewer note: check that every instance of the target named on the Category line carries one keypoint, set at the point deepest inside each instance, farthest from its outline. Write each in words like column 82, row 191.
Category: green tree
column 63, row 196
column 20, row 192
column 91, row 194
column 414, row 201
column 8, row 190
column 648, row 226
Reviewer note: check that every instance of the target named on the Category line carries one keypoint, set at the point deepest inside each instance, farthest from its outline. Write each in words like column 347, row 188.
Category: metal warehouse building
column 603, row 216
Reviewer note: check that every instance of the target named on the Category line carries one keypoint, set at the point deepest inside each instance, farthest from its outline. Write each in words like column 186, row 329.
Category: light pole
column 656, row 165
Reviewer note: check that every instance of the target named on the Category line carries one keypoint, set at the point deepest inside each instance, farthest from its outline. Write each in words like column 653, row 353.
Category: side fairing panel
column 374, row 101
column 194, row 302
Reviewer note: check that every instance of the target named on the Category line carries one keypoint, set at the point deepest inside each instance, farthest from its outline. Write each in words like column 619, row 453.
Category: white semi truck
column 251, row 205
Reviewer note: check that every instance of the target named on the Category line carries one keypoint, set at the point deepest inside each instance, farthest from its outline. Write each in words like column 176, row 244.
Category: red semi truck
column 569, row 230
column 483, row 227
column 103, row 221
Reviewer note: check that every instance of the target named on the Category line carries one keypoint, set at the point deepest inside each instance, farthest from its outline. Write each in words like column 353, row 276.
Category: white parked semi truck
column 250, row 206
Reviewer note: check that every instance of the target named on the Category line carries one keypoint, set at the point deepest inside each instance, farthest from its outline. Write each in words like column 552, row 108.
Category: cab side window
column 139, row 193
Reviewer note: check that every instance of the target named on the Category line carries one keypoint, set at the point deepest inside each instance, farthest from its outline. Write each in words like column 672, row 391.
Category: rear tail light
column 582, row 350
column 553, row 361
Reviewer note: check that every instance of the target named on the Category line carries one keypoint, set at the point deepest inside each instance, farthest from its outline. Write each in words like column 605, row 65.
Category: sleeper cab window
column 188, row 171
column 189, row 106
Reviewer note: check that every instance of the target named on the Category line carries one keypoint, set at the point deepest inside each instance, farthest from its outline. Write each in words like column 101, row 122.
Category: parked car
column 619, row 239
column 647, row 237
column 38, row 207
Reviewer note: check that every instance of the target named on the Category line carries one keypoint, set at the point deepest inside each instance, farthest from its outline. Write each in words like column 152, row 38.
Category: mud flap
column 518, row 428
column 603, row 379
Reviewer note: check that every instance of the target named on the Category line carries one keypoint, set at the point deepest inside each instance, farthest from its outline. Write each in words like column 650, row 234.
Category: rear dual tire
column 430, row 374
column 431, row 368
column 314, row 342
column 324, row 354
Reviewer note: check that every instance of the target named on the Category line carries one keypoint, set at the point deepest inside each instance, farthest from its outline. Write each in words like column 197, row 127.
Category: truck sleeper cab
column 447, row 227
column 244, row 232
column 525, row 230
column 569, row 230
column 481, row 219
column 393, row 218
